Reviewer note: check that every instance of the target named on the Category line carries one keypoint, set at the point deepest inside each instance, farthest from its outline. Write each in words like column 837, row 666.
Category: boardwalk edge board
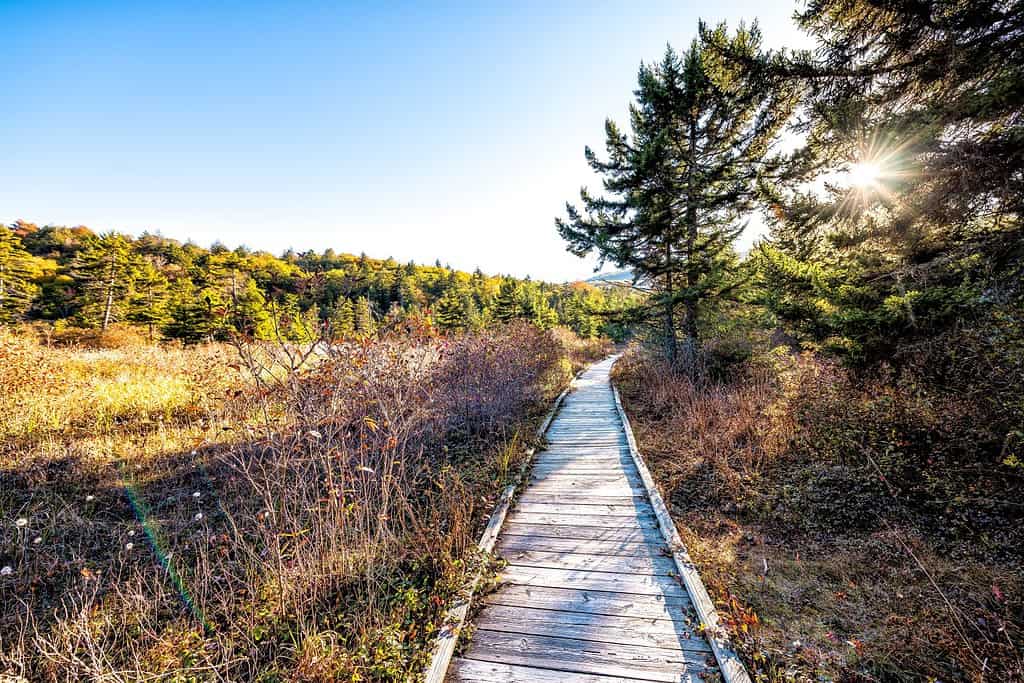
column 729, row 663
column 455, row 617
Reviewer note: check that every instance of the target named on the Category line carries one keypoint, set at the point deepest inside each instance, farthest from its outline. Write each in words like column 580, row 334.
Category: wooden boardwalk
column 593, row 591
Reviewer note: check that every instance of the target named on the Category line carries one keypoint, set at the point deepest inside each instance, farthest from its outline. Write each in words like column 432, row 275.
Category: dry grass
column 279, row 514
column 824, row 525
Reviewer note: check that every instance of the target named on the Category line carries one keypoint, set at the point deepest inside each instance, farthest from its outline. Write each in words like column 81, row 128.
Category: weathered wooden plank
column 583, row 444
column 571, row 508
column 580, row 441
column 630, row 661
column 594, row 414
column 639, row 584
column 650, row 563
column 592, row 457
column 471, row 670
column 577, row 499
column 509, row 544
column 596, row 459
column 590, row 485
column 583, row 468
column 612, row 462
column 595, row 602
column 610, row 477
column 603, row 521
column 566, row 455
column 580, row 485
column 608, row 427
column 601, row 628
column 583, row 533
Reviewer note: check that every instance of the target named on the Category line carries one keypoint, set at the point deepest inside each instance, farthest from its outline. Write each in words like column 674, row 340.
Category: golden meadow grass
column 200, row 514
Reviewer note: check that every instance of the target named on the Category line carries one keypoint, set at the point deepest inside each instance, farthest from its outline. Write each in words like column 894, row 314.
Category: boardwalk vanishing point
column 598, row 588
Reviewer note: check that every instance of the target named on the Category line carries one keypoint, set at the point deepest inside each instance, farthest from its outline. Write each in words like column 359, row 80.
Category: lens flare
column 141, row 511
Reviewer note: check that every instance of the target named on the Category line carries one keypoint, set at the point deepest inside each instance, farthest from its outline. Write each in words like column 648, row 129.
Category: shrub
column 311, row 523
column 853, row 526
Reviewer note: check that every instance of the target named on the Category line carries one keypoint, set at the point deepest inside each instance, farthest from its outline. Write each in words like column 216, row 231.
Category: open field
column 206, row 514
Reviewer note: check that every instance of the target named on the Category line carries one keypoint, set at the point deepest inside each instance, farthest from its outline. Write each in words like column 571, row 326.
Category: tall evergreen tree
column 192, row 316
column 103, row 272
column 508, row 305
column 365, row 324
column 537, row 309
column 454, row 310
column 343, row 319
column 921, row 103
column 16, row 275
column 680, row 184
column 147, row 304
column 248, row 312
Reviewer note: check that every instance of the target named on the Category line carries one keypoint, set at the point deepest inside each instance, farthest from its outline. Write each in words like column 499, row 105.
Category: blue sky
column 418, row 131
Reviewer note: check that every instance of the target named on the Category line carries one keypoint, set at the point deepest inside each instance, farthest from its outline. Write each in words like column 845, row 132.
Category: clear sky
column 418, row 131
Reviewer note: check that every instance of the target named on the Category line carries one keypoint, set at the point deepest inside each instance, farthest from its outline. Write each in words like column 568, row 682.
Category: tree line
column 75, row 276
column 894, row 211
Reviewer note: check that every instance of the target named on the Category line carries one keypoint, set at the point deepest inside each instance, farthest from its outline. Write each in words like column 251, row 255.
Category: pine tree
column 544, row 316
column 508, row 305
column 454, row 310
column 287, row 320
column 681, row 182
column 248, row 311
column 103, row 272
column 147, row 304
column 365, row 324
column 536, row 307
column 922, row 102
column 343, row 319
column 16, row 275
column 577, row 316
column 192, row 315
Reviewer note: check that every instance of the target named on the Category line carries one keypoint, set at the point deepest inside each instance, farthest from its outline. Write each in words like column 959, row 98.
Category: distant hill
column 617, row 276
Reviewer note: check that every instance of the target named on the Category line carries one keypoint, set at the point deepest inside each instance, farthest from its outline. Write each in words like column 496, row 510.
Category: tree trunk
column 691, row 300
column 671, row 343
column 110, row 296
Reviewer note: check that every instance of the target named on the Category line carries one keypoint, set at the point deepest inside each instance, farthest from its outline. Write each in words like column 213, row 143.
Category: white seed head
column 197, row 494
column 21, row 522
column 7, row 571
column 37, row 540
column 129, row 546
column 90, row 498
column 198, row 517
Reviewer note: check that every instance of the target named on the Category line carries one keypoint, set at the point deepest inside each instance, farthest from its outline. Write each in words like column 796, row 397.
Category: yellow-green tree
column 17, row 271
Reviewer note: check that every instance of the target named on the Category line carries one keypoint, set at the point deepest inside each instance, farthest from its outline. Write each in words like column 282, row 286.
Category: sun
column 865, row 174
